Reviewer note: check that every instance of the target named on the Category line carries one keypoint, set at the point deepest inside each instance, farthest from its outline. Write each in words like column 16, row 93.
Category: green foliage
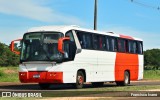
column 9, row 74
column 7, row 58
column 152, row 59
column 152, row 74
column 1, row 74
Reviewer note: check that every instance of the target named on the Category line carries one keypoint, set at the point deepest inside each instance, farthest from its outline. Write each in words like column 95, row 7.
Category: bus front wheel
column 79, row 80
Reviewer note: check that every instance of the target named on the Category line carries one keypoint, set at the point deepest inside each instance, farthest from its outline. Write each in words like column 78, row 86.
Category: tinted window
column 140, row 47
column 122, row 45
column 85, row 39
column 95, row 42
column 70, row 34
column 107, row 43
column 102, row 42
column 132, row 47
column 99, row 42
column 112, row 44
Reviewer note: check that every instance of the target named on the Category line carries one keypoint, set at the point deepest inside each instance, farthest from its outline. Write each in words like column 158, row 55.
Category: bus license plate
column 36, row 76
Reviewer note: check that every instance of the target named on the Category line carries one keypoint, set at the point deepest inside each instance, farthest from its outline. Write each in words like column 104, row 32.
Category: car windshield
column 41, row 46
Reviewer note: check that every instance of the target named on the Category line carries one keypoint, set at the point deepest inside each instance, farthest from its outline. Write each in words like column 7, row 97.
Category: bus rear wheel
column 126, row 80
column 79, row 80
column 44, row 85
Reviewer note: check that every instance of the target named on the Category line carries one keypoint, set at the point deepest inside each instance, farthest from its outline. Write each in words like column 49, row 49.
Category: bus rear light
column 52, row 74
column 22, row 74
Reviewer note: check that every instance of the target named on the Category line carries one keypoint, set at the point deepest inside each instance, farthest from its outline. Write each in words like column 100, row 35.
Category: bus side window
column 107, row 43
column 79, row 38
column 121, row 45
column 102, row 42
column 113, row 44
column 132, row 47
column 71, row 52
column 70, row 34
column 140, row 48
column 84, row 42
column 88, row 40
column 126, row 45
column 85, row 39
column 95, row 42
column 135, row 47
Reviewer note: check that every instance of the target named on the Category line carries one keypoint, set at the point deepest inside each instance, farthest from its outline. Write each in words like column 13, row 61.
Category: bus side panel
column 106, row 63
column 141, row 67
column 128, row 62
column 68, row 69
column 87, row 60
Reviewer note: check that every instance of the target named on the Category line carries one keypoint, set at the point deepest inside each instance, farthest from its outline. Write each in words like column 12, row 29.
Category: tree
column 152, row 59
column 7, row 58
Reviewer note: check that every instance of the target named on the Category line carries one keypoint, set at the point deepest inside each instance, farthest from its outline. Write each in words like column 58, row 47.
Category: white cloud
column 150, row 40
column 35, row 10
column 32, row 9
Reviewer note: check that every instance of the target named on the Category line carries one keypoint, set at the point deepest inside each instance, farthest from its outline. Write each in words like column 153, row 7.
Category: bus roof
column 64, row 29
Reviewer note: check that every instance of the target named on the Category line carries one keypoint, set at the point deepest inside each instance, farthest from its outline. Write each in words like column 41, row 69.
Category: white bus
column 70, row 54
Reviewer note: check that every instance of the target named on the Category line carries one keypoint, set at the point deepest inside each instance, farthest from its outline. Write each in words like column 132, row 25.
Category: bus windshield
column 41, row 46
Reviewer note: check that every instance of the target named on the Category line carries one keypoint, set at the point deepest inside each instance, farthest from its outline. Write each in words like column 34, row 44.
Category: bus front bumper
column 41, row 77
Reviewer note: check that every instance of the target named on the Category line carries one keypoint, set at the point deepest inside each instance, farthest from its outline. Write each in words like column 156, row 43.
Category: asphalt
column 11, row 86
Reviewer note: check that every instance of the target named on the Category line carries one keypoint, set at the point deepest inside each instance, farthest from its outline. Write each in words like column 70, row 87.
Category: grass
column 9, row 74
column 16, row 98
column 152, row 74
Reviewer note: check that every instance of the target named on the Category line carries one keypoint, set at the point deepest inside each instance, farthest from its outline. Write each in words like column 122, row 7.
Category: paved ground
column 34, row 87
column 7, row 86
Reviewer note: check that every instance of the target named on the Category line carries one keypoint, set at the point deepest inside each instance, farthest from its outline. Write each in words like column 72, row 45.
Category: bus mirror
column 15, row 46
column 60, row 44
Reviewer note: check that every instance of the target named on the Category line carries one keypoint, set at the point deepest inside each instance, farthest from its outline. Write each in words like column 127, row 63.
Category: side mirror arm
column 60, row 44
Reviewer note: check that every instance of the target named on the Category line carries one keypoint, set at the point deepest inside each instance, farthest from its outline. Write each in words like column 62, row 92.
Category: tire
column 44, row 85
column 79, row 80
column 97, row 84
column 126, row 80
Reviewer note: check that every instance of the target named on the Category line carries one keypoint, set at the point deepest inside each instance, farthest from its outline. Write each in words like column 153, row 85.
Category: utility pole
column 95, row 15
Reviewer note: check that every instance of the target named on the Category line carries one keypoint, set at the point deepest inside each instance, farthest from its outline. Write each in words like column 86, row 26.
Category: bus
column 74, row 55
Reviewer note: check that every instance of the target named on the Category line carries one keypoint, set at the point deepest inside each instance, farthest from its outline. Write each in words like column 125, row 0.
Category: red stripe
column 45, row 77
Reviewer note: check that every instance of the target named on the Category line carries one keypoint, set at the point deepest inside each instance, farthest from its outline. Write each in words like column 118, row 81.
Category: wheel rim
column 126, row 79
column 80, row 80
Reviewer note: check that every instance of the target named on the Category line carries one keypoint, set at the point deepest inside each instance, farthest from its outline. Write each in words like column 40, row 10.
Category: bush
column 7, row 58
column 152, row 59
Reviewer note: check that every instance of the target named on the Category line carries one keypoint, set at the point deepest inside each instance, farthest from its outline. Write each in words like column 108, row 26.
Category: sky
column 119, row 16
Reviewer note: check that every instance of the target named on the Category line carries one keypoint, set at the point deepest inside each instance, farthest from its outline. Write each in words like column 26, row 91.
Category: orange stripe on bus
column 126, row 37
column 125, row 61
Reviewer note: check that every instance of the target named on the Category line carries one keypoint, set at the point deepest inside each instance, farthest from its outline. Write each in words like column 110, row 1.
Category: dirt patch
column 77, row 98
column 152, row 90
column 9, row 71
